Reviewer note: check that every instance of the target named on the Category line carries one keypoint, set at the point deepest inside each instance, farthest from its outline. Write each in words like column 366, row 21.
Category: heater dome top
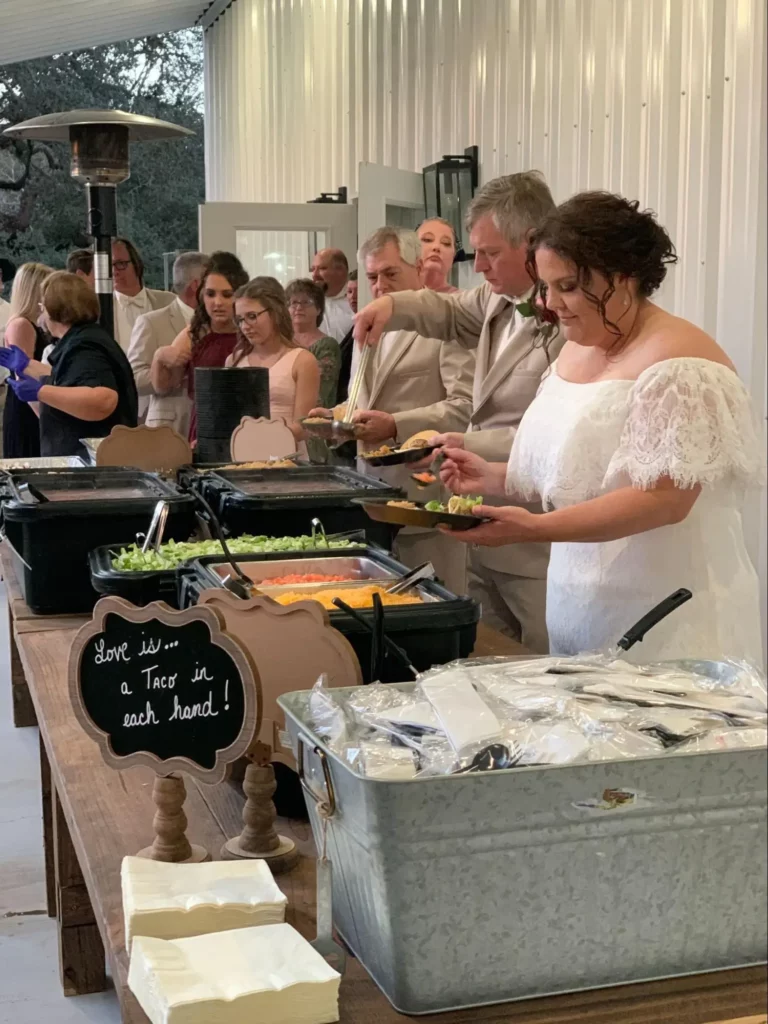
column 55, row 127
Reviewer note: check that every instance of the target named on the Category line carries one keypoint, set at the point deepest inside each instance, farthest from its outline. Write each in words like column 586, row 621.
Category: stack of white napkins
column 265, row 975
column 175, row 901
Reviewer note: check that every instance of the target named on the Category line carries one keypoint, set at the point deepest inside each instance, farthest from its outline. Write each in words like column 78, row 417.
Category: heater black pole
column 102, row 227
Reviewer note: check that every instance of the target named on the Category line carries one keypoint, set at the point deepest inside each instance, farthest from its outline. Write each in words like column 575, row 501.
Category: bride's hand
column 510, row 525
column 464, row 472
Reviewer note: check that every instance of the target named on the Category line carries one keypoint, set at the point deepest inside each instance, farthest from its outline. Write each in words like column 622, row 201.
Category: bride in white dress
column 639, row 444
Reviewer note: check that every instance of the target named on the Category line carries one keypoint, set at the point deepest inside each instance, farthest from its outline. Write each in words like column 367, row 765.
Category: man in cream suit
column 156, row 330
column 513, row 353
column 413, row 382
column 132, row 297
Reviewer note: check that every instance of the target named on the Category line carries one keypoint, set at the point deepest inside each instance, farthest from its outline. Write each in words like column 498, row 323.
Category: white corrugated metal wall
column 662, row 100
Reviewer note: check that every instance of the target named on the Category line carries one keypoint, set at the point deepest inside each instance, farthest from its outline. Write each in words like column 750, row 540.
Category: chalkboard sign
column 163, row 688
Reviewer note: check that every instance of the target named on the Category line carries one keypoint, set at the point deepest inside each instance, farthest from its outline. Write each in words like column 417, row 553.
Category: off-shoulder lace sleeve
column 690, row 420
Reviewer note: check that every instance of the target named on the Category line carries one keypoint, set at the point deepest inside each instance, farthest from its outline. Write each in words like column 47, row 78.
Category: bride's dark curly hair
column 608, row 234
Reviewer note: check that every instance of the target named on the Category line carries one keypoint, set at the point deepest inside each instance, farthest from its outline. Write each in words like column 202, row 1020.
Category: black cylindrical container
column 222, row 398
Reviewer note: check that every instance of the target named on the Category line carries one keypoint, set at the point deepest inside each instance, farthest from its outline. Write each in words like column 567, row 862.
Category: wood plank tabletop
column 109, row 814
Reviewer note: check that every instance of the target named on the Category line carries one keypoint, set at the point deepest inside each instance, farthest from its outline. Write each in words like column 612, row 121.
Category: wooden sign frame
column 252, row 427
column 168, row 616
column 317, row 639
column 152, row 449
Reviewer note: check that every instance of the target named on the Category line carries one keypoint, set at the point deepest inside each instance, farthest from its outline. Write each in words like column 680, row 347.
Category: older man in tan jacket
column 513, row 352
column 413, row 382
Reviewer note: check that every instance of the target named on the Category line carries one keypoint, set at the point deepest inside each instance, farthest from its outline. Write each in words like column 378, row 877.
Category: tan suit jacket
column 502, row 390
column 150, row 332
column 425, row 384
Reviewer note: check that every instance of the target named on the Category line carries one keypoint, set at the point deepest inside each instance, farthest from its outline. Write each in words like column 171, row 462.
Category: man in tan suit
column 413, row 382
column 513, row 353
column 156, row 330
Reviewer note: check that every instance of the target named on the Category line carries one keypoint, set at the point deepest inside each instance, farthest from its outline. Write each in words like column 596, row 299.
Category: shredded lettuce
column 132, row 559
column 457, row 505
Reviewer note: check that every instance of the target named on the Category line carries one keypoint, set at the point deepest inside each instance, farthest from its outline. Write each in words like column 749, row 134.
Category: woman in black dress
column 88, row 388
column 21, row 430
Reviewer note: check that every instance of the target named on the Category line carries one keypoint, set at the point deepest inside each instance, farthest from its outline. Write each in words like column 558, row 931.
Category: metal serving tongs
column 154, row 535
column 25, row 493
column 238, row 584
column 343, row 428
column 433, row 469
column 379, row 637
column 425, row 571
column 319, row 530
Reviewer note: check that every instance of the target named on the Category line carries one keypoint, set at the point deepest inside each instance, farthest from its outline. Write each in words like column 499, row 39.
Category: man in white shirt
column 330, row 270
column 131, row 297
column 514, row 351
column 157, row 329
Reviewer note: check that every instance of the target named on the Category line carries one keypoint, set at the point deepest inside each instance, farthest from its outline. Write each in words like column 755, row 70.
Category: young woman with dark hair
column 639, row 444
column 211, row 336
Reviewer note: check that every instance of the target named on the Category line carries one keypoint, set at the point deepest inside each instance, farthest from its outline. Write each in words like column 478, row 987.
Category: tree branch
column 20, row 182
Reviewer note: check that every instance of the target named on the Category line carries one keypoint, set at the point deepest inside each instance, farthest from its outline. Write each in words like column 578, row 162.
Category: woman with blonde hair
column 21, row 431
column 438, row 250
column 265, row 338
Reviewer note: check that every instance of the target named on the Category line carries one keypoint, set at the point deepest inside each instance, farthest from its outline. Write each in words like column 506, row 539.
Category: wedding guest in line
column 514, row 350
column 157, row 329
column 80, row 262
column 347, row 345
column 21, row 429
column 132, row 298
column 265, row 338
column 211, row 336
column 438, row 250
column 330, row 270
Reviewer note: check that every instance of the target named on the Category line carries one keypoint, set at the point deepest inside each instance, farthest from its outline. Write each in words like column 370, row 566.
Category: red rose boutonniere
column 547, row 321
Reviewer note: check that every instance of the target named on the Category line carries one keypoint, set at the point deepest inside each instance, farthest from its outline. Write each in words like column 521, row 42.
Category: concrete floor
column 30, row 992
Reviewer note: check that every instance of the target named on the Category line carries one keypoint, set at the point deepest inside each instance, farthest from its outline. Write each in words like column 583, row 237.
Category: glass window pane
column 404, row 216
column 281, row 254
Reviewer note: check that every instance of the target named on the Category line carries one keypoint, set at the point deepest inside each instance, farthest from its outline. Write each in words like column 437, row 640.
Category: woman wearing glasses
column 306, row 304
column 265, row 338
column 211, row 336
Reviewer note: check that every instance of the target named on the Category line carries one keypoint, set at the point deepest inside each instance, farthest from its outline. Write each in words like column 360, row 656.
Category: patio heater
column 100, row 159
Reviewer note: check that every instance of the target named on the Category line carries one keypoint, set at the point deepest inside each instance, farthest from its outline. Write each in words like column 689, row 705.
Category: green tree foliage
column 42, row 209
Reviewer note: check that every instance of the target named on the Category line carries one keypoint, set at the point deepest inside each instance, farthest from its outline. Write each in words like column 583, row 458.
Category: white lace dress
column 687, row 419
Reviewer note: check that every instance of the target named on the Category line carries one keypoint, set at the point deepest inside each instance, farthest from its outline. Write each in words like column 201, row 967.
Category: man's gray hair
column 517, row 203
column 407, row 242
column 188, row 267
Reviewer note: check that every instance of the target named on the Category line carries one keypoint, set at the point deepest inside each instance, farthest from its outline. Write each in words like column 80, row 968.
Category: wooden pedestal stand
column 259, row 840
column 170, row 822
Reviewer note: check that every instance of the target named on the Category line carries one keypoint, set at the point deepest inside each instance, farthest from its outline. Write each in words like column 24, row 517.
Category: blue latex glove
column 26, row 389
column 14, row 358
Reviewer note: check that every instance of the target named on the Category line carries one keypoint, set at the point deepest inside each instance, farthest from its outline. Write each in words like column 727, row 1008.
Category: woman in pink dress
column 211, row 336
column 265, row 338
column 438, row 249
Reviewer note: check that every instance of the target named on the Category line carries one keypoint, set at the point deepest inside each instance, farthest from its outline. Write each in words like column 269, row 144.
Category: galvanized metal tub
column 464, row 890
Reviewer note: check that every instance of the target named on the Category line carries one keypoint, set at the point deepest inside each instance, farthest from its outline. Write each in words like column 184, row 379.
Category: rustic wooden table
column 93, row 816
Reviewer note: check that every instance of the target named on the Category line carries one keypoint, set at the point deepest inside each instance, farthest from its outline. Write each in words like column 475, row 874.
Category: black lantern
column 100, row 158
column 339, row 198
column 449, row 186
